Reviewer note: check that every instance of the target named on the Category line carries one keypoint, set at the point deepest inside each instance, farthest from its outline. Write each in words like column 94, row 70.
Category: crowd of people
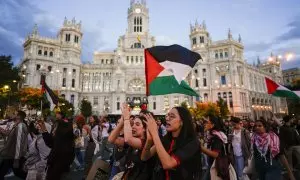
column 147, row 148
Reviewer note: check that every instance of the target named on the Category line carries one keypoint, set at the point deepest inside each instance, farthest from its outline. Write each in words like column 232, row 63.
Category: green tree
column 66, row 107
column 86, row 108
column 8, row 83
column 224, row 111
column 8, row 73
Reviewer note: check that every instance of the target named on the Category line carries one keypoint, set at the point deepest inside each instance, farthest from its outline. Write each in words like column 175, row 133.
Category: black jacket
column 61, row 143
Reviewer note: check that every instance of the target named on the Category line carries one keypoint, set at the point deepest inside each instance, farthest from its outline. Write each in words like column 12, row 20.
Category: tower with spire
column 70, row 37
column 138, row 17
column 229, row 34
column 199, row 36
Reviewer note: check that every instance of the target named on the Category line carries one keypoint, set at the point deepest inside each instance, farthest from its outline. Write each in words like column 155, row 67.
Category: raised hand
column 149, row 136
column 125, row 111
column 151, row 124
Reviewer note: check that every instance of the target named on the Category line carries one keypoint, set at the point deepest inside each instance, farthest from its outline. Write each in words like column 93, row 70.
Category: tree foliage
column 32, row 97
column 86, row 108
column 8, row 72
column 224, row 111
column 204, row 109
column 66, row 107
column 8, row 83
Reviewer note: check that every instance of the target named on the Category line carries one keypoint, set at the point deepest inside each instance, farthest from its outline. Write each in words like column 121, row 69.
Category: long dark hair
column 217, row 122
column 264, row 123
column 187, row 129
column 188, row 134
column 143, row 119
column 96, row 121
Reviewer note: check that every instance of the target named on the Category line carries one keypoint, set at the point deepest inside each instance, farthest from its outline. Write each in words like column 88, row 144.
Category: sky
column 265, row 25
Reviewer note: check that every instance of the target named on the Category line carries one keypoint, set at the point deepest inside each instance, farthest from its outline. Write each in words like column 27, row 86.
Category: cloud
column 293, row 32
column 288, row 42
column 92, row 40
column 257, row 47
column 164, row 40
column 17, row 20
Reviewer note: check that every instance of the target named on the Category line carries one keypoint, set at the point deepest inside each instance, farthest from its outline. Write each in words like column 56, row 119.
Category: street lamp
column 7, row 88
column 289, row 56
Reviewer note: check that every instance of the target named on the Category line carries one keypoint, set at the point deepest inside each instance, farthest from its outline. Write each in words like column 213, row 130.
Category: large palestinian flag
column 166, row 67
column 278, row 90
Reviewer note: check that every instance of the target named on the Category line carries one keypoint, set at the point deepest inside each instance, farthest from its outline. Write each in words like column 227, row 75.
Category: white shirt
column 95, row 134
column 237, row 143
column 105, row 130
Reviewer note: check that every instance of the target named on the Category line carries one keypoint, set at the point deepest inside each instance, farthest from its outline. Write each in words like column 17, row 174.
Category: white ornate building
column 118, row 76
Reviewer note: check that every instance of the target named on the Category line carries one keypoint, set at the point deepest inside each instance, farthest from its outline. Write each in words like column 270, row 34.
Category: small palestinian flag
column 278, row 90
column 49, row 95
column 166, row 67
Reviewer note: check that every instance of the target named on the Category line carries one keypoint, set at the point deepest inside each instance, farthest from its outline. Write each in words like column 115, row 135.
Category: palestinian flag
column 49, row 95
column 166, row 67
column 278, row 90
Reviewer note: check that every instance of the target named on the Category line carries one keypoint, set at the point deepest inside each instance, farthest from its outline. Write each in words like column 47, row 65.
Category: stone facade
column 118, row 76
column 289, row 75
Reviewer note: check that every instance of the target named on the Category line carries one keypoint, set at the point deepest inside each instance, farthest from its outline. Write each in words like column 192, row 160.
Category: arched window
column 194, row 41
column 63, row 96
column 64, row 82
column 141, row 59
column 40, row 52
column 204, row 72
column 216, row 55
column 205, row 97
column 45, row 53
column 221, row 55
column 230, row 99
column 204, row 82
column 73, row 83
column 226, row 54
column 68, row 37
column 72, row 99
column 51, row 54
column 201, row 39
column 224, row 95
